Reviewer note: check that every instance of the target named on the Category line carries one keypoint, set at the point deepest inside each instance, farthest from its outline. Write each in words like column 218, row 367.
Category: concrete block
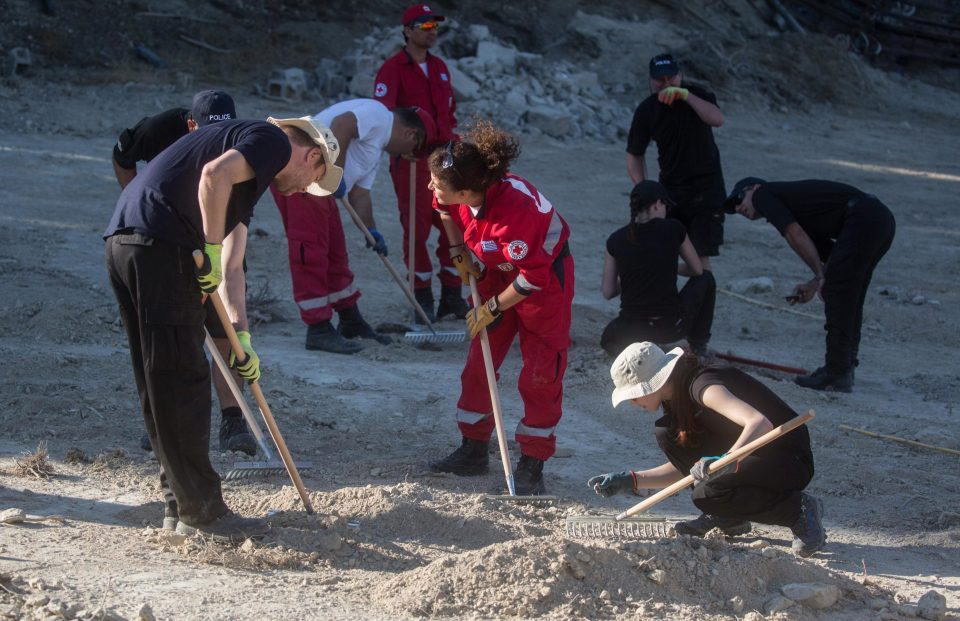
column 287, row 83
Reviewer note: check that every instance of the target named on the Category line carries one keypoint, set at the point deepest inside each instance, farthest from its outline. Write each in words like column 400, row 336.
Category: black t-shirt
column 647, row 267
column 162, row 202
column 149, row 137
column 720, row 433
column 685, row 147
column 819, row 207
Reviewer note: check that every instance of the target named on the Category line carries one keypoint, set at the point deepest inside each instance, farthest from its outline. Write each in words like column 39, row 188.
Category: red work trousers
column 543, row 323
column 427, row 218
column 319, row 268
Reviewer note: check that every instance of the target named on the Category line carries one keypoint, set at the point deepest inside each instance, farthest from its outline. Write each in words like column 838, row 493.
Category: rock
column 812, row 594
column 583, row 557
column 948, row 519
column 12, row 516
column 465, row 88
column 770, row 552
column 908, row 610
column 753, row 616
column 329, row 541
column 877, row 604
column 248, row 546
column 36, row 600
column 918, row 300
column 552, row 121
column 492, row 53
column 760, row 284
column 287, row 83
column 478, row 32
column 932, row 605
column 146, row 612
column 657, row 575
column 577, row 570
column 777, row 603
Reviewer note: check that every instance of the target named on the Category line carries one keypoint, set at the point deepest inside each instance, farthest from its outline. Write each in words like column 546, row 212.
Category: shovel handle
column 729, row 458
column 258, row 394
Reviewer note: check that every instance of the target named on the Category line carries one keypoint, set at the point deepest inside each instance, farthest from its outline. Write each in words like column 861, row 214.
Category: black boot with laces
column 471, row 459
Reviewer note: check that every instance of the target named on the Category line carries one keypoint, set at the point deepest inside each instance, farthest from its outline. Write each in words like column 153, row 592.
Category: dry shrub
column 34, row 464
column 109, row 460
column 76, row 456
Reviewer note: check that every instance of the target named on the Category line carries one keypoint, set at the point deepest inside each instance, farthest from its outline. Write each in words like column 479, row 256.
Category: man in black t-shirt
column 152, row 134
column 841, row 233
column 680, row 118
column 144, row 142
column 641, row 267
column 199, row 193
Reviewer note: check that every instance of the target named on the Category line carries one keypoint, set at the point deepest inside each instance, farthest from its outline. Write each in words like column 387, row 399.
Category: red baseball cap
column 432, row 133
column 419, row 13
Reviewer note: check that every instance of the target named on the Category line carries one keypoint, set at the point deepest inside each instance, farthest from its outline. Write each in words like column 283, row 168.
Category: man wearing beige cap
column 359, row 132
column 199, row 193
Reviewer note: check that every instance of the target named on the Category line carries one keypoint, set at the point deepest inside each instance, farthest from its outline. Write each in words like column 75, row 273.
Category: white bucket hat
column 324, row 138
column 641, row 369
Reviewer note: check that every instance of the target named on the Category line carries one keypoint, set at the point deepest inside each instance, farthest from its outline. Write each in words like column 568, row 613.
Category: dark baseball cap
column 663, row 65
column 420, row 13
column 730, row 205
column 646, row 193
column 212, row 106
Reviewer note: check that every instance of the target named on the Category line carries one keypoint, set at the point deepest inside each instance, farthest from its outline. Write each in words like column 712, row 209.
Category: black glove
column 699, row 469
column 613, row 482
column 381, row 246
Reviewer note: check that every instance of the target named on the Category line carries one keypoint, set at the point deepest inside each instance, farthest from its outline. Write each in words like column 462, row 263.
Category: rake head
column 536, row 501
column 608, row 527
column 426, row 336
column 254, row 469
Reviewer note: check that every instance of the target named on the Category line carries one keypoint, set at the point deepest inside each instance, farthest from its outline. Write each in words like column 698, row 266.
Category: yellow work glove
column 480, row 318
column 462, row 260
column 671, row 94
column 211, row 274
column 249, row 367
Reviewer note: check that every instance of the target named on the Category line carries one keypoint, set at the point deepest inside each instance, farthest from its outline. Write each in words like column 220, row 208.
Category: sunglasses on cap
column 425, row 26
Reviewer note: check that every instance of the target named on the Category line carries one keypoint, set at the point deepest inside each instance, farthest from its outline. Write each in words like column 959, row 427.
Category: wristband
column 636, row 484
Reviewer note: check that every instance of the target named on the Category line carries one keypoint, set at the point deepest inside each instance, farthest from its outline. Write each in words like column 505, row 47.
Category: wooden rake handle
column 412, row 227
column 393, row 271
column 494, row 394
column 729, row 458
column 258, row 394
column 760, row 363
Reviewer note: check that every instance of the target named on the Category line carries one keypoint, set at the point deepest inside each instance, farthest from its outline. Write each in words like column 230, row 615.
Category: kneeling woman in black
column 710, row 411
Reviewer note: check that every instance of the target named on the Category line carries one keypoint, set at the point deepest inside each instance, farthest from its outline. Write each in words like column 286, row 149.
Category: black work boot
column 353, row 325
column 234, row 433
column 731, row 527
column 809, row 536
column 471, row 459
column 827, row 380
column 145, row 443
column 528, row 477
column 425, row 300
column 227, row 527
column 451, row 303
column 322, row 337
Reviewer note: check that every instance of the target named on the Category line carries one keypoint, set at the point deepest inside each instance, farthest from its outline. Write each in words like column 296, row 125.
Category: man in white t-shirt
column 319, row 266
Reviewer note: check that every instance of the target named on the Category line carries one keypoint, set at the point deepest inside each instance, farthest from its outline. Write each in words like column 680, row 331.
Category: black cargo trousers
column 156, row 289
column 866, row 236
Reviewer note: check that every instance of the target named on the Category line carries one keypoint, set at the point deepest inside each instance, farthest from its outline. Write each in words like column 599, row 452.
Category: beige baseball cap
column 328, row 144
column 641, row 369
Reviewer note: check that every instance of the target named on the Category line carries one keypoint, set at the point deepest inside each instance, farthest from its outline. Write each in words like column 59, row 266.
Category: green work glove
column 613, row 483
column 249, row 367
column 480, row 318
column 211, row 274
column 671, row 94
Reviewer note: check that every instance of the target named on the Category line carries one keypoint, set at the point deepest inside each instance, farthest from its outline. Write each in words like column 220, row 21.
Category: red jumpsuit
column 401, row 83
column 520, row 239
column 322, row 280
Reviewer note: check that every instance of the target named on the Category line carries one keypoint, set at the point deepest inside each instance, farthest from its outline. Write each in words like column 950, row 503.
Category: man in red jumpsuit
column 415, row 77
column 521, row 243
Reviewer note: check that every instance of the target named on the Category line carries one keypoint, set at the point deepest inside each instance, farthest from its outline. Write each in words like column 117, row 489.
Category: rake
column 511, row 496
column 237, row 348
column 608, row 527
column 430, row 334
column 248, row 469
column 622, row 524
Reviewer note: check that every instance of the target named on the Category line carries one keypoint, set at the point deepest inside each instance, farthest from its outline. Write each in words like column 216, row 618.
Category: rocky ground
column 390, row 540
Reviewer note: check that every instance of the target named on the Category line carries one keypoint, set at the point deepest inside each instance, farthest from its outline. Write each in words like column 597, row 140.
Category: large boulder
column 812, row 594
column 465, row 88
column 551, row 120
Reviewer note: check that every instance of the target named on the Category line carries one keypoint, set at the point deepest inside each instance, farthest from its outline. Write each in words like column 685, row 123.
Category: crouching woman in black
column 708, row 412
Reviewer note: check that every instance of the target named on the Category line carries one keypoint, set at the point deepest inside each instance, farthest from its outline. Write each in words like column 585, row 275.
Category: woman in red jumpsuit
column 508, row 235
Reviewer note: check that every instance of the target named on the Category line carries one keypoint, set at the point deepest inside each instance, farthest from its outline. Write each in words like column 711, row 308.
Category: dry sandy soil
column 390, row 540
